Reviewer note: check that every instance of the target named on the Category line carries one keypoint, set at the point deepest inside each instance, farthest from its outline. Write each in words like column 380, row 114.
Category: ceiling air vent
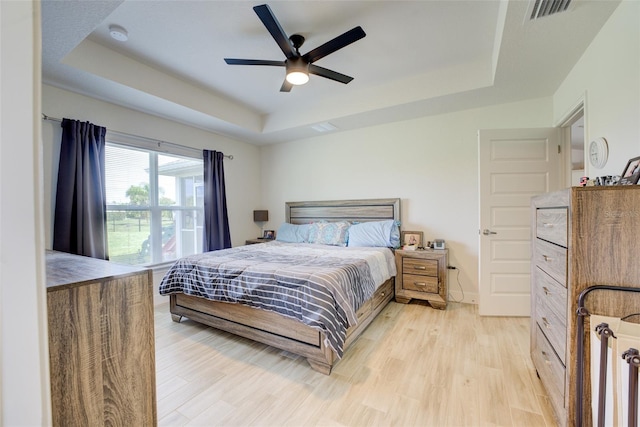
column 542, row 8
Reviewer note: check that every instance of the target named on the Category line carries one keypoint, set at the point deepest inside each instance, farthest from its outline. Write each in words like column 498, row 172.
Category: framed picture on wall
column 631, row 172
column 412, row 238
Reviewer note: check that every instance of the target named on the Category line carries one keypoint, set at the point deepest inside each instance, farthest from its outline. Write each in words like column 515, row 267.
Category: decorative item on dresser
column 101, row 342
column 422, row 274
column 581, row 237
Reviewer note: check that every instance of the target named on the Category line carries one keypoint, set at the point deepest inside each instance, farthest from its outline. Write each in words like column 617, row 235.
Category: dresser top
column 65, row 269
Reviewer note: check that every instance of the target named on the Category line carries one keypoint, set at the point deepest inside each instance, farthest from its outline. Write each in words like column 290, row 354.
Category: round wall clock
column 598, row 152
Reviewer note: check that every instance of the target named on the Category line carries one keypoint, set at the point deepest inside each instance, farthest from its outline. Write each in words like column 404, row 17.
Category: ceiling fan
column 299, row 66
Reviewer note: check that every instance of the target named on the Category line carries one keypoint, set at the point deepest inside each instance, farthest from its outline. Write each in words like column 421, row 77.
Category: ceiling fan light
column 297, row 71
column 297, row 77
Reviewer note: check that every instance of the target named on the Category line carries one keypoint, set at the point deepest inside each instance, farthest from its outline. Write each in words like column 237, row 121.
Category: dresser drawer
column 551, row 293
column 551, row 372
column 552, row 325
column 424, row 267
column 418, row 283
column 552, row 259
column 551, row 225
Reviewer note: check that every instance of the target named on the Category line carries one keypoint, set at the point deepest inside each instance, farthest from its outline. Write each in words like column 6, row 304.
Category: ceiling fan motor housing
column 297, row 40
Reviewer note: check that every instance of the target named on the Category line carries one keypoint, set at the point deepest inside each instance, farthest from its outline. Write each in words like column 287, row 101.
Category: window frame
column 154, row 149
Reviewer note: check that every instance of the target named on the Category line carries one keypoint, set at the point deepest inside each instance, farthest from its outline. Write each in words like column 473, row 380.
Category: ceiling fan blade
column 329, row 74
column 273, row 26
column 331, row 46
column 286, row 86
column 233, row 61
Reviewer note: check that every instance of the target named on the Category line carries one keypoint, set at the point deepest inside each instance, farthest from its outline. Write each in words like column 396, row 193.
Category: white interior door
column 514, row 165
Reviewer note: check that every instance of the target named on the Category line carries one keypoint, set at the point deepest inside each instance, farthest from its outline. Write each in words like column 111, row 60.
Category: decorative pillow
column 292, row 233
column 329, row 233
column 375, row 233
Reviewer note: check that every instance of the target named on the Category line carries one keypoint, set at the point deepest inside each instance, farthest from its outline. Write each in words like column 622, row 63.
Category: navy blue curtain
column 80, row 224
column 216, row 221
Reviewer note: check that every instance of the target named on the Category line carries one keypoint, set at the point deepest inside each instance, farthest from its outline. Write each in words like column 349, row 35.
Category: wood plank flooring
column 413, row 366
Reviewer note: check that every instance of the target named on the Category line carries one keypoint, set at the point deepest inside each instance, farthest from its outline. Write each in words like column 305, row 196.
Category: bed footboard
column 276, row 330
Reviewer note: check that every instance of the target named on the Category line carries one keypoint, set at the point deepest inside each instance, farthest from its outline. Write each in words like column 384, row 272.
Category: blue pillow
column 292, row 233
column 375, row 234
column 329, row 233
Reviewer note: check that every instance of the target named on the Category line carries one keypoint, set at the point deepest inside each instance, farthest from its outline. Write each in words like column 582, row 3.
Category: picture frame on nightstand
column 412, row 238
column 269, row 234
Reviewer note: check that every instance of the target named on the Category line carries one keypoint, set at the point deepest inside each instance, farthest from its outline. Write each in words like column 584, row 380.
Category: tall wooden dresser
column 101, row 342
column 581, row 237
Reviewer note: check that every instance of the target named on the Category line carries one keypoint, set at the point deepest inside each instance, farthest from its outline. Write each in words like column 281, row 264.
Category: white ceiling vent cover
column 542, row 8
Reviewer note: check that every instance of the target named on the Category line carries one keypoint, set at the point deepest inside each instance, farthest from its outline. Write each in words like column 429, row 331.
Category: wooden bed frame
column 281, row 332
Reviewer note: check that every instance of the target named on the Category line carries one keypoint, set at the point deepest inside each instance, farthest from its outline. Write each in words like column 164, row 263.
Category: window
column 154, row 205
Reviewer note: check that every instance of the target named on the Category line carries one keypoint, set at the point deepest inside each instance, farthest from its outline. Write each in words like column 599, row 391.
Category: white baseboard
column 466, row 298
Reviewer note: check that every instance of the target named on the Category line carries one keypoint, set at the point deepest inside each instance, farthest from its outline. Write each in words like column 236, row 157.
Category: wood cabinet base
column 101, row 342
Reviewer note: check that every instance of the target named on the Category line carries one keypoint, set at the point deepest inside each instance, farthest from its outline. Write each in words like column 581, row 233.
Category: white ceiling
column 418, row 58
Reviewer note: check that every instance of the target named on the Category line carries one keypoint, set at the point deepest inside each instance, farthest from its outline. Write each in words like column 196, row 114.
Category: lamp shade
column 260, row 216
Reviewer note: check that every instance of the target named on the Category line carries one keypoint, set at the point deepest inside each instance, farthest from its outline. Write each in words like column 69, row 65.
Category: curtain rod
column 158, row 141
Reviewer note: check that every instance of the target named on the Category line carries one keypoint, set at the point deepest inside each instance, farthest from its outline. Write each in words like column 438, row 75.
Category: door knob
column 487, row 232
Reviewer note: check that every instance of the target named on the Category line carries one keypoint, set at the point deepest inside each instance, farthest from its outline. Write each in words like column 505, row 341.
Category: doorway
column 574, row 136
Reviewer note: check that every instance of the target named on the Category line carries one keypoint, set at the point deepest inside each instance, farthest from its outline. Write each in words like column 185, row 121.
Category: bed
column 323, row 342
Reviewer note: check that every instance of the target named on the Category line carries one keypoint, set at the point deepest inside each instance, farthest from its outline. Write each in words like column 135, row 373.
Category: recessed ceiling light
column 118, row 33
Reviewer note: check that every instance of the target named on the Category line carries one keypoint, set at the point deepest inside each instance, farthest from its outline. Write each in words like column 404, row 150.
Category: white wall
column 24, row 353
column 241, row 173
column 608, row 76
column 430, row 163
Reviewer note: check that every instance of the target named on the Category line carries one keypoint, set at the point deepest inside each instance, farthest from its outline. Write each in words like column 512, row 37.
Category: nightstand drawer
column 423, row 267
column 418, row 283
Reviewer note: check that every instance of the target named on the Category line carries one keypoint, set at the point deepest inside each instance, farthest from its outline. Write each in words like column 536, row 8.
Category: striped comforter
column 321, row 286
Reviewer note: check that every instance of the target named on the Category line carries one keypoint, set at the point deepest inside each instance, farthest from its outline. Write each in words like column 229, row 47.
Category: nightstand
column 422, row 274
column 258, row 240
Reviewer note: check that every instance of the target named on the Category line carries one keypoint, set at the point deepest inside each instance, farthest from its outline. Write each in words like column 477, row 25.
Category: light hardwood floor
column 413, row 366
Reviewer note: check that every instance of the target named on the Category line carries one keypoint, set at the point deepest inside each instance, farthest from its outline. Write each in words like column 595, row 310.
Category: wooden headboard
column 347, row 210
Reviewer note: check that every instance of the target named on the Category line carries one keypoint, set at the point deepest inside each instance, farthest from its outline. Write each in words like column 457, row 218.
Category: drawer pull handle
column 547, row 258
column 546, row 290
column 382, row 294
column 419, row 283
column 547, row 225
column 546, row 322
column 419, row 267
column 546, row 358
